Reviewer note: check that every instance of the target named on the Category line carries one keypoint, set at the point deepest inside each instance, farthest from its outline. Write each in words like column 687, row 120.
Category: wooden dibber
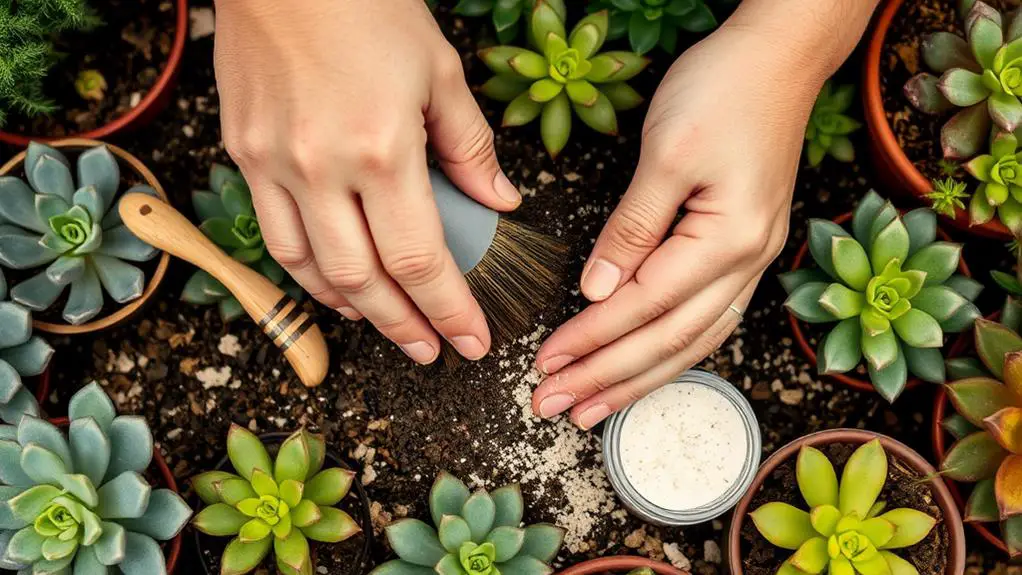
column 280, row 317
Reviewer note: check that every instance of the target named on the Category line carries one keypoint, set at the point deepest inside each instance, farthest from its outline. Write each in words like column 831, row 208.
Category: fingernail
column 601, row 280
column 555, row 404
column 595, row 414
column 555, row 363
column 420, row 352
column 349, row 312
column 469, row 346
column 505, row 189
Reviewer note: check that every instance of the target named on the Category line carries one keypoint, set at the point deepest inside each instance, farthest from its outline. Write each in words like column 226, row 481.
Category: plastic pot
column 892, row 165
column 803, row 341
column 942, row 441
column 125, row 312
column 155, row 100
column 621, row 564
column 952, row 520
column 332, row 460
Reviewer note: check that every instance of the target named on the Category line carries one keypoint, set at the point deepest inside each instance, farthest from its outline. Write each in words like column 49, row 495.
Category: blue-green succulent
column 476, row 534
column 79, row 502
column 21, row 355
column 72, row 228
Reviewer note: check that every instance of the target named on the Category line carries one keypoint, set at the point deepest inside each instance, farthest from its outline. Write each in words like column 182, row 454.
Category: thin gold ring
column 741, row 316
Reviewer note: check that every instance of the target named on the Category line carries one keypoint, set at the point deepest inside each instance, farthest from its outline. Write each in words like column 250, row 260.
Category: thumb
column 463, row 142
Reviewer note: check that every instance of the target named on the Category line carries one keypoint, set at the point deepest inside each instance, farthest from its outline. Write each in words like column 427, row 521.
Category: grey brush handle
column 469, row 227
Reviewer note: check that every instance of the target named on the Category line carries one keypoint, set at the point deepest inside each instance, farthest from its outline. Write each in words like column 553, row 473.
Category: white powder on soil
column 683, row 446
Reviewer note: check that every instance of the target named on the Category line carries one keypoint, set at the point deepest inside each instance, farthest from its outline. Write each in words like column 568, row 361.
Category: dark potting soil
column 54, row 313
column 130, row 50
column 191, row 376
column 904, row 488
column 918, row 133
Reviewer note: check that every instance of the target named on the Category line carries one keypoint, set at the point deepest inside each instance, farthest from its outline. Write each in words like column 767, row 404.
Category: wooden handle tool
column 280, row 317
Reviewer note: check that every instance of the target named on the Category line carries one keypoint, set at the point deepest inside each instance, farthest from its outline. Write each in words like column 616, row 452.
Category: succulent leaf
column 220, row 519
column 415, row 542
column 246, row 452
column 240, row 558
column 973, row 458
column 841, row 350
column 333, row 526
column 863, row 478
column 329, row 486
column 910, row 527
column 979, row 398
column 817, row 479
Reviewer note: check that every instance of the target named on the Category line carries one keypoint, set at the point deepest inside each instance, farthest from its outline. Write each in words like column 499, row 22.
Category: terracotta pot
column 155, row 100
column 941, row 407
column 892, row 165
column 365, row 521
column 952, row 519
column 128, row 310
column 42, row 386
column 172, row 548
column 620, row 564
column 803, row 342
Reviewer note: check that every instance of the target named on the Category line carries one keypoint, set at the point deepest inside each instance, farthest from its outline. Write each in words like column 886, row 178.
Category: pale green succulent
column 476, row 534
column 21, row 355
column 947, row 196
column 892, row 289
column 1000, row 190
column 568, row 75
column 279, row 504
column 846, row 530
column 80, row 503
column 229, row 219
column 829, row 126
column 73, row 229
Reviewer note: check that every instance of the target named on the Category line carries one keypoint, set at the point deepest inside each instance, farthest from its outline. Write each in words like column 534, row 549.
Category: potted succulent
column 652, row 23
column 61, row 236
column 280, row 504
column 472, row 534
column 567, row 74
column 799, row 518
column 627, row 564
column 957, row 85
column 892, row 290
column 82, row 499
column 22, row 356
column 229, row 219
column 86, row 68
column 975, row 425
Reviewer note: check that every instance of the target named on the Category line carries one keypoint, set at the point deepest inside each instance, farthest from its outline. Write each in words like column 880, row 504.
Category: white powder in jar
column 683, row 446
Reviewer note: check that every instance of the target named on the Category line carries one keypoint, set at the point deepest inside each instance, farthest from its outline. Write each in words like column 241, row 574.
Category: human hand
column 722, row 139
column 326, row 108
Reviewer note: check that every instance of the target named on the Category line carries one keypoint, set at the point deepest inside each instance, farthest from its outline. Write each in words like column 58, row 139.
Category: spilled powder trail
column 553, row 460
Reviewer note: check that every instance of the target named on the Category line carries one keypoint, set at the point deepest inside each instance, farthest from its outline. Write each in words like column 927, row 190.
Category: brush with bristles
column 512, row 269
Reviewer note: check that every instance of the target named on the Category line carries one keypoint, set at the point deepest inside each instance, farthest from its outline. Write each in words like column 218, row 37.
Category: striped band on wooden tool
column 282, row 316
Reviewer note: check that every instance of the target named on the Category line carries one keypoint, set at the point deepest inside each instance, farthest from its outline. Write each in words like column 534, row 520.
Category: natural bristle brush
column 512, row 269
column 279, row 316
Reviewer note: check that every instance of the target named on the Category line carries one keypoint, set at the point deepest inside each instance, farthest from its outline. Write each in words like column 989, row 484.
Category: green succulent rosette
column 829, row 125
column 475, row 534
column 79, row 503
column 652, row 23
column 891, row 287
column 846, row 530
column 229, row 220
column 74, row 230
column 1000, row 189
column 568, row 75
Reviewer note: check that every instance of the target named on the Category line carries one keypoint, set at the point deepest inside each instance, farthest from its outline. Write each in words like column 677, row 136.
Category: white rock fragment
column 711, row 551
column 676, row 557
column 203, row 23
column 229, row 345
column 213, row 377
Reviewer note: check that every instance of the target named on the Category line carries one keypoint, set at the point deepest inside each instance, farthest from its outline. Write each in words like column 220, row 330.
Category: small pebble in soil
column 683, row 446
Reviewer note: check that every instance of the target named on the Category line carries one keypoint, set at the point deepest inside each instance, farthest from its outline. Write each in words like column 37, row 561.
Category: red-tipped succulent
column 988, row 427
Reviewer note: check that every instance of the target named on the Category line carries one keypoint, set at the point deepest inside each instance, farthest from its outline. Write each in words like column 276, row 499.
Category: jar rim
column 653, row 513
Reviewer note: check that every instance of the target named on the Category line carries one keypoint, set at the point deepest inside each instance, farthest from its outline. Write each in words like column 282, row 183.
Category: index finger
column 406, row 228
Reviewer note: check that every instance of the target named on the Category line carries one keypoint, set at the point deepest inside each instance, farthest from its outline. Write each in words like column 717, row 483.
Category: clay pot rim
column 952, row 519
column 42, row 385
column 803, row 342
column 172, row 548
column 156, row 94
column 126, row 311
column 885, row 142
column 276, row 437
column 620, row 563
column 938, row 438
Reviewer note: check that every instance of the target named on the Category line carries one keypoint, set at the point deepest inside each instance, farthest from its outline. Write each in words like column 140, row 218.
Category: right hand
column 326, row 107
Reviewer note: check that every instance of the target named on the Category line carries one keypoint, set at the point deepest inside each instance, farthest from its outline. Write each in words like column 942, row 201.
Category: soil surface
column 129, row 49
column 191, row 376
column 903, row 489
column 918, row 133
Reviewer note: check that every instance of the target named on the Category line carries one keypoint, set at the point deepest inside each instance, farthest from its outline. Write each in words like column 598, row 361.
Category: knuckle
column 348, row 276
column 635, row 227
column 247, row 147
column 310, row 162
column 449, row 68
column 289, row 254
column 476, row 145
column 376, row 156
column 413, row 267
column 676, row 343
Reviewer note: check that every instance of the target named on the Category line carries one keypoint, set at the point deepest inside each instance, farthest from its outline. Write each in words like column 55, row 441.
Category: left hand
column 722, row 139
